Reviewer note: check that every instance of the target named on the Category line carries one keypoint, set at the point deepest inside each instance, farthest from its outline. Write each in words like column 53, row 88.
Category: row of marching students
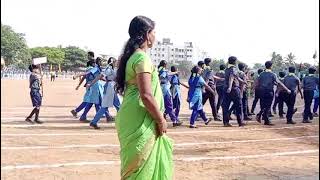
column 99, row 82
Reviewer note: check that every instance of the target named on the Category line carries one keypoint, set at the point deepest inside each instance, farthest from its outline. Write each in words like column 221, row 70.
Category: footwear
column 37, row 121
column 217, row 118
column 271, row 115
column 268, row 124
column 193, row 126
column 274, row 111
column 242, row 124
column 247, row 118
column 315, row 115
column 94, row 126
column 179, row 123
column 252, row 113
column 84, row 120
column 29, row 120
column 109, row 119
column 74, row 113
column 227, row 125
column 295, row 110
column 230, row 118
column 291, row 122
column 306, row 121
column 207, row 122
column 258, row 118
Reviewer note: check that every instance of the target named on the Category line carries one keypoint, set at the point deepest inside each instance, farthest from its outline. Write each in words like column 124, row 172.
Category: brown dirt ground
column 60, row 97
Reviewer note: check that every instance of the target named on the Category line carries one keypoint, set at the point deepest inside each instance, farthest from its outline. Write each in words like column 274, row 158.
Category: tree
column 13, row 47
column 74, row 57
column 289, row 60
column 278, row 63
column 54, row 55
column 258, row 66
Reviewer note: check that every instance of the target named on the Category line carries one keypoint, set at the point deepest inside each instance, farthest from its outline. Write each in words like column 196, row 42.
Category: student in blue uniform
column 266, row 82
column 309, row 84
column 95, row 91
column 257, row 93
column 210, row 79
column 232, row 92
column 36, row 97
column 165, row 86
column 176, row 91
column 292, row 82
column 219, row 85
column 90, row 64
column 244, row 91
column 316, row 102
column 196, row 84
column 110, row 97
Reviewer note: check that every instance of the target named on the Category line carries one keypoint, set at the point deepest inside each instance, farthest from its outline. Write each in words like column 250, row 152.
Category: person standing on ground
column 146, row 152
column 309, row 84
column 219, row 86
column 316, row 102
column 257, row 92
column 243, row 92
column 266, row 82
column 280, row 96
column 36, row 97
column 292, row 82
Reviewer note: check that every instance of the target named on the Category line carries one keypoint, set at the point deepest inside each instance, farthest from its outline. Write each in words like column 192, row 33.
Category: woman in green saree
column 146, row 152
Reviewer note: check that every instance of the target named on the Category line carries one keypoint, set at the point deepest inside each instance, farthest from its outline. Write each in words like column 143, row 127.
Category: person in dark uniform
column 243, row 91
column 36, row 97
column 257, row 93
column 219, row 86
column 280, row 96
column 266, row 82
column 292, row 82
column 232, row 92
column 210, row 79
column 309, row 84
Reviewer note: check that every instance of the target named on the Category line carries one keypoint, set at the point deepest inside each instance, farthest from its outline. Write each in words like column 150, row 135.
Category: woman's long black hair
column 139, row 27
column 162, row 63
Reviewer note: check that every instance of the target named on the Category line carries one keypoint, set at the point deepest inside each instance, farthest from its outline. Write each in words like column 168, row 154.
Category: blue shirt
column 267, row 80
column 231, row 71
column 310, row 83
column 221, row 75
column 34, row 82
column 291, row 82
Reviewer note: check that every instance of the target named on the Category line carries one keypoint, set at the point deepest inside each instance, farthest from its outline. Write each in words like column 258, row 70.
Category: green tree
column 55, row 55
column 13, row 47
column 278, row 63
column 289, row 60
column 74, row 57
column 258, row 66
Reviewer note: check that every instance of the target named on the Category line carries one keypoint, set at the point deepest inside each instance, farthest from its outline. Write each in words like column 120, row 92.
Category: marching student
column 243, row 91
column 36, row 97
column 292, row 82
column 232, row 93
column 196, row 84
column 280, row 96
column 210, row 79
column 165, row 86
column 110, row 97
column 309, row 84
column 266, row 82
column 316, row 102
column 176, row 91
column 257, row 93
column 219, row 86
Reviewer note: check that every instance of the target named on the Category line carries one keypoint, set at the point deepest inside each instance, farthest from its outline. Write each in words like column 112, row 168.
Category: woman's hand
column 162, row 127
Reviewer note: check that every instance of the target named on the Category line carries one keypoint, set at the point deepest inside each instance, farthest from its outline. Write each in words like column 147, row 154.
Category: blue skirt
column 36, row 98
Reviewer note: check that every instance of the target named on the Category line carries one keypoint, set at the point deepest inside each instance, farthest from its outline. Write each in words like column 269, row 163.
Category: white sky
column 248, row 29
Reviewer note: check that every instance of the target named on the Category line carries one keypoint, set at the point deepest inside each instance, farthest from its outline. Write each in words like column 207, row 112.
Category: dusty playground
column 63, row 148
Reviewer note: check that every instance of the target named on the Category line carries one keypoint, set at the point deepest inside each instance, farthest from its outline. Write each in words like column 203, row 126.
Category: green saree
column 143, row 155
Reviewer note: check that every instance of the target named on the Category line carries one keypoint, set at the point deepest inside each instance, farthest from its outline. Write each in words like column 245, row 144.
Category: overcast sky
column 248, row 29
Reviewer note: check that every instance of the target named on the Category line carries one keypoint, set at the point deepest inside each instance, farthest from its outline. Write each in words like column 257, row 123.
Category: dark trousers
column 308, row 97
column 256, row 99
column 281, row 99
column 220, row 97
column 290, row 100
column 316, row 105
column 233, row 96
column 245, row 104
column 275, row 103
column 208, row 95
column 266, row 102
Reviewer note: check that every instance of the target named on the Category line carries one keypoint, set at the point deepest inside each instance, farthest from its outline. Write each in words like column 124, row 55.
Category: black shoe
column 247, row 118
column 29, row 120
column 274, row 111
column 37, row 121
column 84, row 120
column 227, row 125
column 193, row 126
column 281, row 116
column 306, row 121
column 315, row 114
column 252, row 113
column 230, row 118
column 268, row 124
column 242, row 124
column 74, row 113
column 94, row 126
column 271, row 115
column 291, row 122
column 110, row 119
column 207, row 122
column 258, row 118
column 179, row 123
column 217, row 118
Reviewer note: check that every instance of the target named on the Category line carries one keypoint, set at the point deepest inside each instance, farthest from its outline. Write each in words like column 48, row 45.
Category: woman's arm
column 144, row 86
column 209, row 88
column 95, row 80
column 81, row 74
column 81, row 81
column 184, row 85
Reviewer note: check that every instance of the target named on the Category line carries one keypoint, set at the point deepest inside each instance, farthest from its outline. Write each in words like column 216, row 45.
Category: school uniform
column 165, row 86
column 244, row 99
column 267, row 81
column 34, row 85
column 291, row 81
column 233, row 96
column 176, row 94
column 257, row 95
column 208, row 77
column 309, row 84
column 196, row 84
column 110, row 97
column 280, row 98
column 219, row 88
column 316, row 100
